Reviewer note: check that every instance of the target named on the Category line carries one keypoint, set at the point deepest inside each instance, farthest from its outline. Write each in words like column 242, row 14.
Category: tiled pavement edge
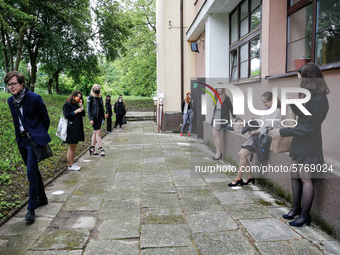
column 142, row 198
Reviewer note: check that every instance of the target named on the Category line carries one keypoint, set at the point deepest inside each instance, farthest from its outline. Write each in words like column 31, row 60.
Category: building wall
column 198, row 5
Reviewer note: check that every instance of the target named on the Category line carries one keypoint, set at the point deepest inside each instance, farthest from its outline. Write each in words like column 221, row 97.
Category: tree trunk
column 19, row 49
column 49, row 86
column 57, row 82
column 33, row 71
column 4, row 50
column 10, row 52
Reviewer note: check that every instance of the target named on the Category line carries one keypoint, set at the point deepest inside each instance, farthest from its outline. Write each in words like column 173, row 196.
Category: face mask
column 97, row 91
column 109, row 100
column 120, row 101
column 76, row 99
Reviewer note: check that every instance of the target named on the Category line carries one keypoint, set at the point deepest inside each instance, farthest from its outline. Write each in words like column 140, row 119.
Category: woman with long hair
column 221, row 111
column 95, row 111
column 306, row 147
column 248, row 147
column 187, row 112
column 74, row 112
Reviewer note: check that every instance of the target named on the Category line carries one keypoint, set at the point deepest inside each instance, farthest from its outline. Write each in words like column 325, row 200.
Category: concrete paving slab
column 229, row 242
column 84, row 203
column 119, row 229
column 278, row 247
column 278, row 212
column 313, row 233
column 157, row 178
column 170, row 251
column 210, row 222
column 18, row 226
column 220, row 187
column 329, row 247
column 16, row 245
column 200, row 204
column 302, row 247
column 119, row 210
column 233, row 197
column 194, row 192
column 269, row 230
column 181, row 182
column 163, row 200
column 246, row 211
column 47, row 252
column 123, row 194
column 63, row 239
column 165, row 235
column 109, row 247
column 158, row 187
column 162, row 216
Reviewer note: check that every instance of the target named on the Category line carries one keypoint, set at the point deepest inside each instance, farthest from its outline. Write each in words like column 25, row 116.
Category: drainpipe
column 182, row 50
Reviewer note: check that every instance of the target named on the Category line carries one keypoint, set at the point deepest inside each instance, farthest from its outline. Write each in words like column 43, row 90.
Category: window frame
column 294, row 8
column 245, row 39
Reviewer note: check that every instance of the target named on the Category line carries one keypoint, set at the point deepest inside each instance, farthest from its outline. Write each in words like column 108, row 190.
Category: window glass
column 298, row 53
column 244, row 27
column 233, row 65
column 292, row 2
column 300, row 23
column 244, row 70
column 244, row 52
column 234, row 25
column 255, row 65
column 244, row 10
column 256, row 18
column 255, row 4
column 255, row 47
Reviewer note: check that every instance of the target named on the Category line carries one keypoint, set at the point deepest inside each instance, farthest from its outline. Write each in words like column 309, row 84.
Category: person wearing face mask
column 119, row 110
column 74, row 112
column 108, row 113
column 95, row 111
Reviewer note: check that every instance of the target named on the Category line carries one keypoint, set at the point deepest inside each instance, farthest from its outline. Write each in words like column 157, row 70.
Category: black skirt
column 97, row 123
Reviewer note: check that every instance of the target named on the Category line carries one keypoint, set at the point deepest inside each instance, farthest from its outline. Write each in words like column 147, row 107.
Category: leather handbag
column 41, row 152
column 282, row 144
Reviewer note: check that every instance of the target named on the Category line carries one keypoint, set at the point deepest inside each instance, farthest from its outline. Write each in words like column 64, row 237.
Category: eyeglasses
column 12, row 84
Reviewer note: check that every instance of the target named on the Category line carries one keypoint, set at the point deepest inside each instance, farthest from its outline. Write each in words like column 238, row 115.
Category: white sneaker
column 74, row 168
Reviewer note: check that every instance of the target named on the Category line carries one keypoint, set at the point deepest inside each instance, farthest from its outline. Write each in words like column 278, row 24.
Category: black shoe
column 217, row 158
column 292, row 213
column 42, row 202
column 300, row 221
column 249, row 181
column 237, row 182
column 30, row 216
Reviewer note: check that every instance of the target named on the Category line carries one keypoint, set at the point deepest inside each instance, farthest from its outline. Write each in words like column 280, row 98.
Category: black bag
column 124, row 121
column 41, row 152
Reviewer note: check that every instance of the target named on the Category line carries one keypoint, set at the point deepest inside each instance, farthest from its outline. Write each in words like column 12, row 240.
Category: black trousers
column 36, row 184
column 119, row 119
column 109, row 124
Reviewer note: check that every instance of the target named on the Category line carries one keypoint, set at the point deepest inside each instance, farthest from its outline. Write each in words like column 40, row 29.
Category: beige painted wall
column 198, row 5
column 168, row 52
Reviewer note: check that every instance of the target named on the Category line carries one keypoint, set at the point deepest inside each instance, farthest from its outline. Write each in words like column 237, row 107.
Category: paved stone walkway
column 142, row 198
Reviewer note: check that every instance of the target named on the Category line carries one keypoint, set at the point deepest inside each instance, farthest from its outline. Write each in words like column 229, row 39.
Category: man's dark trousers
column 36, row 185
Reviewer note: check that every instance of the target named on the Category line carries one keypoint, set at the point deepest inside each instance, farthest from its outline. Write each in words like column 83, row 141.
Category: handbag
column 62, row 128
column 282, row 144
column 124, row 121
column 41, row 152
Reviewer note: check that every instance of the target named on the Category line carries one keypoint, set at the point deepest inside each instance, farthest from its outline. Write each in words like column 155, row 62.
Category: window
column 313, row 32
column 244, row 49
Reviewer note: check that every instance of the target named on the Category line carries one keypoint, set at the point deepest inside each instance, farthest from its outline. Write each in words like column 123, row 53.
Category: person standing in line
column 220, row 112
column 74, row 112
column 248, row 147
column 108, row 113
column 188, row 113
column 36, row 122
column 306, row 147
column 95, row 111
column 119, row 110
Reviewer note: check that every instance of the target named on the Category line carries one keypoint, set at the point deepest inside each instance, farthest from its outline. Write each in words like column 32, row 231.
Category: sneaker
column 189, row 134
column 30, row 216
column 74, row 168
column 181, row 133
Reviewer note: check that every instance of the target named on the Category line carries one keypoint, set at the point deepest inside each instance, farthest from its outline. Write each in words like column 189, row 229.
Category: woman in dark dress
column 95, row 111
column 119, row 110
column 306, row 146
column 108, row 113
column 74, row 112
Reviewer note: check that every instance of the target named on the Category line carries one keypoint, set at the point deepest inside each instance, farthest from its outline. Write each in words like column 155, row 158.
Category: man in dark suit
column 37, row 122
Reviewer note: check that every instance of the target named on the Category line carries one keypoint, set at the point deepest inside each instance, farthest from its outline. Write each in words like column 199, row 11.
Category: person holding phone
column 74, row 112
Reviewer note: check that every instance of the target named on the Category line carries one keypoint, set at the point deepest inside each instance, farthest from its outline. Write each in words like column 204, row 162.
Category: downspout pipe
column 182, row 50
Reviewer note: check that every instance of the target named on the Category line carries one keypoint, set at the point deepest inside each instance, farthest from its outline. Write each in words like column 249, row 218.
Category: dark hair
column 269, row 97
column 313, row 80
column 120, row 95
column 107, row 97
column 73, row 94
column 20, row 77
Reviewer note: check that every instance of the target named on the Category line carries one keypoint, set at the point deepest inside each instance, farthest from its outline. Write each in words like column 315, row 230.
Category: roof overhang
column 210, row 7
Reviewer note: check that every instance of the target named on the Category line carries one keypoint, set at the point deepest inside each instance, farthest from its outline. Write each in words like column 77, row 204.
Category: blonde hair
column 222, row 95
column 92, row 91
